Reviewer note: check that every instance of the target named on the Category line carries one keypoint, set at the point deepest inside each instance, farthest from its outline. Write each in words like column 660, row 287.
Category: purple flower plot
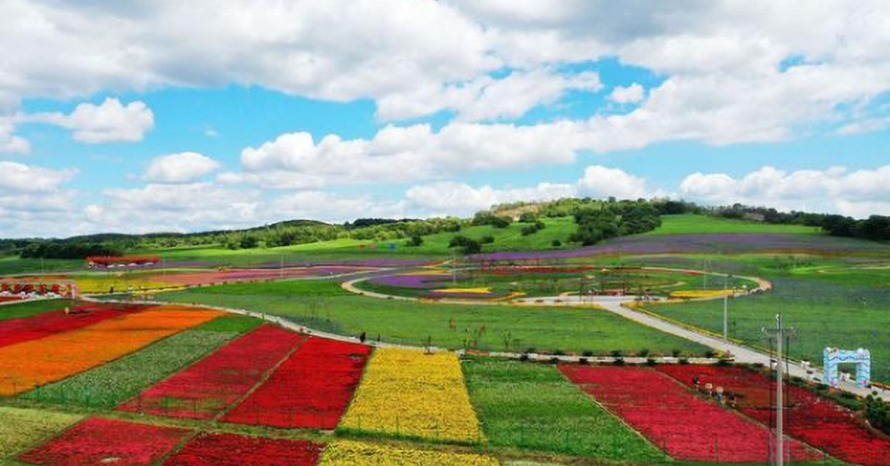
column 412, row 281
column 730, row 243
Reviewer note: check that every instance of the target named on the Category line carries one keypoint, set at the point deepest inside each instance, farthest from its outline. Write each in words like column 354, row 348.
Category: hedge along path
column 23, row 428
column 207, row 388
column 14, row 331
column 26, row 365
column 350, row 453
column 412, row 394
column 107, row 441
column 688, row 427
column 110, row 384
column 533, row 406
column 311, row 389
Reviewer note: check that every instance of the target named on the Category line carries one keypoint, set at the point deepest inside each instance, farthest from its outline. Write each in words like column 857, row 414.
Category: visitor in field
column 362, row 337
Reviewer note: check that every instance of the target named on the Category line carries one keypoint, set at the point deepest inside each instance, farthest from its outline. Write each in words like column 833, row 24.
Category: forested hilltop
column 595, row 221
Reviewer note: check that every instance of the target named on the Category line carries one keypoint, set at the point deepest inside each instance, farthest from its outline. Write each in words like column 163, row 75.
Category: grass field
column 30, row 308
column 692, row 224
column 24, row 428
column 325, row 306
column 532, row 406
column 841, row 315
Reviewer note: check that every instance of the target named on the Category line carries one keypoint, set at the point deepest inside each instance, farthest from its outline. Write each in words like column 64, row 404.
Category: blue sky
column 218, row 115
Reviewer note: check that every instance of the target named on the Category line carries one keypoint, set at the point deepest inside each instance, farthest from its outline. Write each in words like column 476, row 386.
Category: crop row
column 815, row 420
column 207, row 388
column 37, row 362
column 103, row 441
column 412, row 394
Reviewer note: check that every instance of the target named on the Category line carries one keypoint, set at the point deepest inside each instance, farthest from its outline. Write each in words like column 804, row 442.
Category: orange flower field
column 26, row 365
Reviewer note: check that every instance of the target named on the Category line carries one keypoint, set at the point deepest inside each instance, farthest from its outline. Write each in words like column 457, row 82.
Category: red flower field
column 237, row 450
column 817, row 421
column 14, row 331
column 207, row 388
column 685, row 425
column 105, row 441
column 311, row 389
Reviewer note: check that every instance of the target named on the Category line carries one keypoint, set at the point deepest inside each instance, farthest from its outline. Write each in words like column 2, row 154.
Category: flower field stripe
column 14, row 331
column 23, row 428
column 238, row 450
column 411, row 394
column 532, row 406
column 25, row 365
column 110, row 384
column 311, row 389
column 350, row 453
column 814, row 420
column 106, row 441
column 207, row 388
column 686, row 425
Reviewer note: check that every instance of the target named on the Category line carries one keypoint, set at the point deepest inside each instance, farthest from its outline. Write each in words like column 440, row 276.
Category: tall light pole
column 726, row 317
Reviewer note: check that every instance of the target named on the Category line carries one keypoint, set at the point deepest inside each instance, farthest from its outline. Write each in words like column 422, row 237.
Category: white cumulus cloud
column 110, row 121
column 180, row 168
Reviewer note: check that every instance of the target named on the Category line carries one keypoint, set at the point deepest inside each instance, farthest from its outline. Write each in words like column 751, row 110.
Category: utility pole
column 726, row 318
column 281, row 269
column 780, row 333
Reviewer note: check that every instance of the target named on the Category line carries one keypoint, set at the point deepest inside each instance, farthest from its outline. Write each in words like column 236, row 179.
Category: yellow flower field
column 409, row 393
column 696, row 294
column 348, row 453
column 102, row 284
column 25, row 365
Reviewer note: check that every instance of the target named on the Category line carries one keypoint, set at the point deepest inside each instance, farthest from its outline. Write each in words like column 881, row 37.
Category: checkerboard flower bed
column 210, row 386
column 106, row 441
column 688, row 427
column 814, row 420
column 237, row 450
column 311, row 389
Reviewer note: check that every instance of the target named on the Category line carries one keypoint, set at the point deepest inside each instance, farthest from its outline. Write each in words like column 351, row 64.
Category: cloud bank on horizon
column 149, row 115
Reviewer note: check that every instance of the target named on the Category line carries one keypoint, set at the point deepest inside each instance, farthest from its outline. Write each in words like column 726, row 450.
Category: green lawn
column 323, row 305
column 826, row 313
column 532, row 406
column 692, row 223
column 30, row 308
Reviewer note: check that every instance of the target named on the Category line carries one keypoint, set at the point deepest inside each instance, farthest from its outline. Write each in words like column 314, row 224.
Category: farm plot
column 349, row 453
column 311, row 389
column 108, row 385
column 106, row 441
column 534, row 407
column 23, row 329
column 22, row 428
column 237, row 450
column 819, row 422
column 207, row 388
column 412, row 394
column 686, row 426
column 38, row 362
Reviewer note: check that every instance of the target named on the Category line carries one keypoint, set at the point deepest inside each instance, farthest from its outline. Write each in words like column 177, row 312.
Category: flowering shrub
column 311, row 389
column 349, row 453
column 37, row 362
column 106, row 441
column 237, row 450
column 409, row 393
column 214, row 383
column 32, row 328
column 686, row 426
column 817, row 421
